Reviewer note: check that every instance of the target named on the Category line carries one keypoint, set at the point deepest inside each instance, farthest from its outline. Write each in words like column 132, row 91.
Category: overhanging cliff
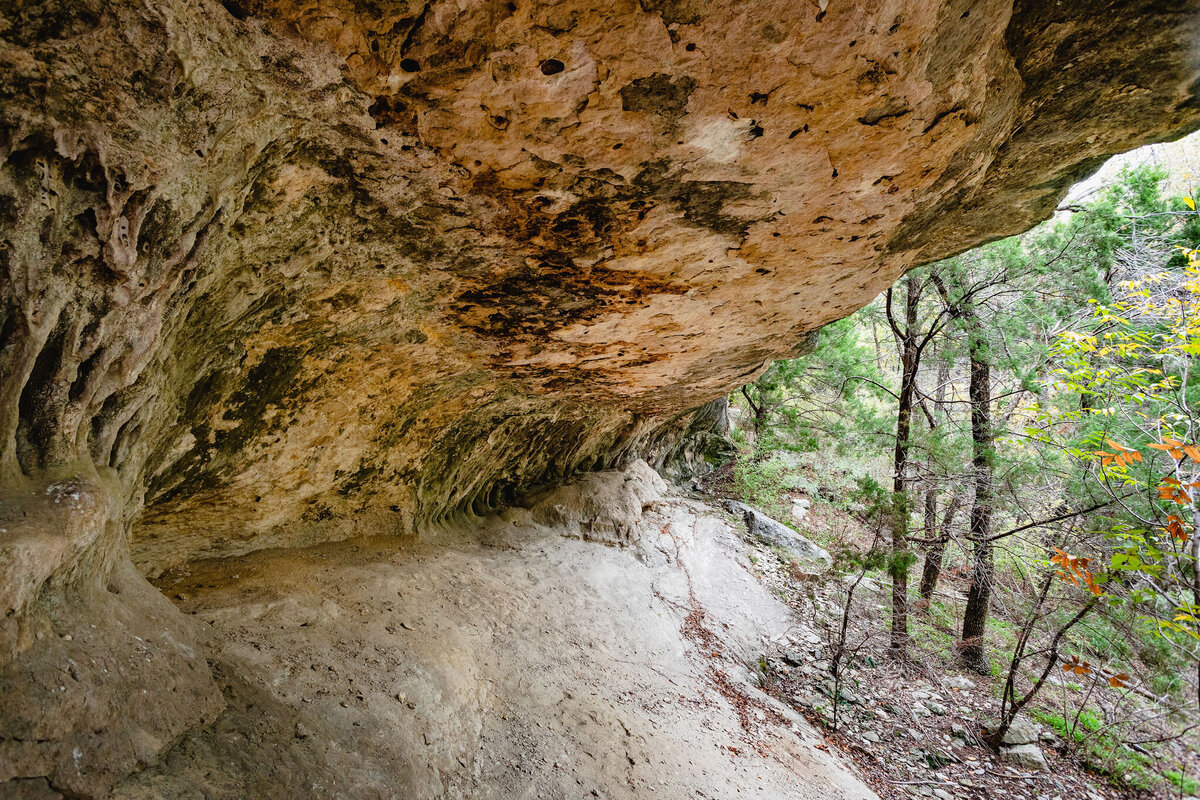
column 280, row 272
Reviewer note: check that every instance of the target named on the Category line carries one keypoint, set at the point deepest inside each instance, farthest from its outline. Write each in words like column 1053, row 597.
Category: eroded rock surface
column 508, row 661
column 277, row 273
column 297, row 270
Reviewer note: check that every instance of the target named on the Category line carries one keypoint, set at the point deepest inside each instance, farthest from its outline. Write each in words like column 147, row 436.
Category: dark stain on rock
column 583, row 229
column 702, row 202
column 889, row 110
column 660, row 94
column 270, row 383
column 870, row 78
column 682, row 12
column 772, row 34
column 560, row 283
column 391, row 111
column 941, row 115
column 535, row 301
column 34, row 24
column 358, row 480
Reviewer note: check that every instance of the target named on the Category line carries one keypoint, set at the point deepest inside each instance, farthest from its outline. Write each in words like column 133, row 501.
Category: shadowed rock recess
column 278, row 273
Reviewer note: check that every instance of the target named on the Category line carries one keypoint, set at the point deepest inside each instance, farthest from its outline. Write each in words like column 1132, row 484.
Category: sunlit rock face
column 281, row 272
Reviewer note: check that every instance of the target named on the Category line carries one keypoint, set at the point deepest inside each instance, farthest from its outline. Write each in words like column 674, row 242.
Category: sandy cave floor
column 503, row 662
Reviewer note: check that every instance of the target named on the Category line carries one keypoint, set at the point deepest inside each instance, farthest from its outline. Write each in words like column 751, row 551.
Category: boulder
column 935, row 708
column 1026, row 756
column 601, row 506
column 810, row 557
column 1021, row 731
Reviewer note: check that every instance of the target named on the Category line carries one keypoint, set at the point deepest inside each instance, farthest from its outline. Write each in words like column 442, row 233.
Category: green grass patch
column 1105, row 754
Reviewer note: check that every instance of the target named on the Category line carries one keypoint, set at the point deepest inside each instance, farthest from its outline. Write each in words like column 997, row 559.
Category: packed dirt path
column 505, row 661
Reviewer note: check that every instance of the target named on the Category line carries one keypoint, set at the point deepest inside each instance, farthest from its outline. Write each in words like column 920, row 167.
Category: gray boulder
column 1021, row 731
column 1026, row 756
column 812, row 558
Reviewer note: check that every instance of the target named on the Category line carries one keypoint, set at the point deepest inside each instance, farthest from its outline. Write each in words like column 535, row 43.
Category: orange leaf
column 1192, row 452
column 1175, row 528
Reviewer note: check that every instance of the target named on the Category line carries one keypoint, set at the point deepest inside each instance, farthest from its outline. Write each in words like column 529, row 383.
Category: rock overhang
column 288, row 267
column 279, row 272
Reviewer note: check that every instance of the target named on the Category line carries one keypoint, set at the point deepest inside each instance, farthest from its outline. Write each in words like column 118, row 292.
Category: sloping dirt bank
column 506, row 661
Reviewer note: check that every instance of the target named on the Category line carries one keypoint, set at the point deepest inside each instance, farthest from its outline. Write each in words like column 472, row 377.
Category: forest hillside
column 1002, row 455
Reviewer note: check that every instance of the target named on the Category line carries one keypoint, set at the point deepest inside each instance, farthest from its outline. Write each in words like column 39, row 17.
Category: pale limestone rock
column 1026, row 756
column 809, row 555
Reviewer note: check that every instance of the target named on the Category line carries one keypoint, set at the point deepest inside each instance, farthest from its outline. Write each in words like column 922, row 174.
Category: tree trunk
column 932, row 571
column 936, row 549
column 909, row 357
column 983, row 568
column 759, row 420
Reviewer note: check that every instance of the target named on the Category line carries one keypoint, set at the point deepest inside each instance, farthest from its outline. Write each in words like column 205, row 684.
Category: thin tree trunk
column 759, row 420
column 909, row 357
column 932, row 571
column 936, row 549
column 983, row 567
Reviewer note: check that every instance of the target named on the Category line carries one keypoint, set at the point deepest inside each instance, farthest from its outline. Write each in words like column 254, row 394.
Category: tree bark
column 932, row 570
column 936, row 549
column 979, row 594
column 759, row 410
column 909, row 361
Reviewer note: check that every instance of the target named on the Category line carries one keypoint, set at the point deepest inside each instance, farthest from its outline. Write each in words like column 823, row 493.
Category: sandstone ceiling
column 278, row 272
column 305, row 264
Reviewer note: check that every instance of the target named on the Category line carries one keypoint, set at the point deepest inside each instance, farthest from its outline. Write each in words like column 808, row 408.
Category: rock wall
column 277, row 273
